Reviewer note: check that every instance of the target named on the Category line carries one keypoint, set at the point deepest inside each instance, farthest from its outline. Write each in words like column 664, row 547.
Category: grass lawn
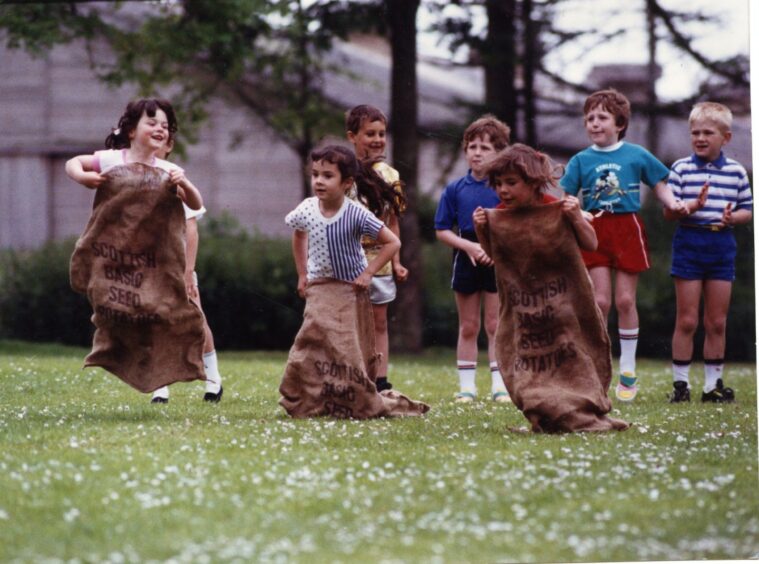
column 91, row 471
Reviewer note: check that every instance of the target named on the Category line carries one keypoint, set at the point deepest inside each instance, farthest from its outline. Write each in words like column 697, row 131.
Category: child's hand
column 679, row 209
column 570, row 206
column 177, row 178
column 302, row 281
column 91, row 179
column 587, row 216
column 479, row 216
column 401, row 272
column 700, row 202
column 189, row 282
column 478, row 255
column 363, row 280
column 727, row 215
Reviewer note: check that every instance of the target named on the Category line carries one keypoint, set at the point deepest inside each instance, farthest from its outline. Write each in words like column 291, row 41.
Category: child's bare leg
column 625, row 288
column 210, row 363
column 716, row 303
column 624, row 299
column 490, row 304
column 601, row 277
column 688, row 297
column 381, row 341
column 468, row 307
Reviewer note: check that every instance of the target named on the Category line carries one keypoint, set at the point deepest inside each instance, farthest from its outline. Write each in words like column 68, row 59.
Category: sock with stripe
column 628, row 344
column 681, row 371
column 467, row 370
column 713, row 372
column 497, row 384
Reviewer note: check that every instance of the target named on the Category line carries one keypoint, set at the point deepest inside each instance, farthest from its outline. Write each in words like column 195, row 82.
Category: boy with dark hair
column 607, row 177
column 473, row 276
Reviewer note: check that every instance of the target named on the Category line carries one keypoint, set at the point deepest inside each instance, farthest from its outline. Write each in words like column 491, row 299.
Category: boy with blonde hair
column 607, row 177
column 716, row 190
column 473, row 275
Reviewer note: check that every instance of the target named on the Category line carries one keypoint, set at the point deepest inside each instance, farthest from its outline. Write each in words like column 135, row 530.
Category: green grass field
column 92, row 472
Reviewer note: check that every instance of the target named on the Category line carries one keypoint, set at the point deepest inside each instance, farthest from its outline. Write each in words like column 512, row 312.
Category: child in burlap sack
column 331, row 368
column 130, row 259
column 551, row 343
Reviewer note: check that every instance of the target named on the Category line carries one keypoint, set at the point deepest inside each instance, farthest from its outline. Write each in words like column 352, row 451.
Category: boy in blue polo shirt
column 717, row 192
column 607, row 177
column 473, row 275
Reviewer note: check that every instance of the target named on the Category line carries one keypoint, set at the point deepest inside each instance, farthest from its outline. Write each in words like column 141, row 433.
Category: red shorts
column 622, row 243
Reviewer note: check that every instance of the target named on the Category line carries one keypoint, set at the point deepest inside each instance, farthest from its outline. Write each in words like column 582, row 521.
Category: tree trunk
column 407, row 314
column 499, row 60
column 529, row 56
column 652, row 133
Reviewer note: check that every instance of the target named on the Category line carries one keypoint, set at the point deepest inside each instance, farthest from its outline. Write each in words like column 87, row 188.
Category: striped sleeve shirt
column 334, row 243
column 728, row 184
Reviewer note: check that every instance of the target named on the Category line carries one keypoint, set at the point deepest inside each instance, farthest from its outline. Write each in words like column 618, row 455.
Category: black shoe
column 383, row 384
column 214, row 398
column 720, row 394
column 681, row 392
column 158, row 399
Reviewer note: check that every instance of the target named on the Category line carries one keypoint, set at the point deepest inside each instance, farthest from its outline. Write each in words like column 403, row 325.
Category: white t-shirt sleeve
column 107, row 159
column 190, row 213
column 299, row 217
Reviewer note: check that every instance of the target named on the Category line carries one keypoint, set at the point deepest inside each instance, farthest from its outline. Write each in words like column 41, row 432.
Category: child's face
column 602, row 127
column 707, row 139
column 151, row 132
column 514, row 192
column 369, row 141
column 327, row 183
column 476, row 153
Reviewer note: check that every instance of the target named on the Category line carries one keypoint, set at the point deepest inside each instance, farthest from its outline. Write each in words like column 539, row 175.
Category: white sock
column 210, row 363
column 681, row 371
column 628, row 343
column 713, row 372
column 497, row 384
column 162, row 393
column 467, row 370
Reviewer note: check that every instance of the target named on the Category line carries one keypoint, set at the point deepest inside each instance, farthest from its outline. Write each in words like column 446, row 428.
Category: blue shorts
column 701, row 254
column 468, row 278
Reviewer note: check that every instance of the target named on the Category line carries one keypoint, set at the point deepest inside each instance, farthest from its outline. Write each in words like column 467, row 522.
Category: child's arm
column 400, row 271
column 81, row 169
column 390, row 246
column 191, row 255
column 481, row 227
column 300, row 254
column 186, row 190
column 677, row 208
column 730, row 217
column 693, row 205
column 584, row 232
column 472, row 249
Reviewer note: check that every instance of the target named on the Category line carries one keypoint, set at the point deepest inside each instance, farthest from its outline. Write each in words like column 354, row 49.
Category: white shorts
column 382, row 289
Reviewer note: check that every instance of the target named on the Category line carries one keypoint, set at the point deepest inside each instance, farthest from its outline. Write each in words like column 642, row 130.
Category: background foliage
column 248, row 288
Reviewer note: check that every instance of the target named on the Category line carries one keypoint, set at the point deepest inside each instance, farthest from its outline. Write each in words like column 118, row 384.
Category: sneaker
column 720, row 394
column 464, row 397
column 627, row 388
column 213, row 398
column 159, row 399
column 501, row 396
column 681, row 392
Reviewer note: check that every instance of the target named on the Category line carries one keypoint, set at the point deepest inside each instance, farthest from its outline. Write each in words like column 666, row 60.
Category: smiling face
column 151, row 132
column 327, row 183
column 602, row 127
column 477, row 152
column 514, row 192
column 707, row 138
column 370, row 140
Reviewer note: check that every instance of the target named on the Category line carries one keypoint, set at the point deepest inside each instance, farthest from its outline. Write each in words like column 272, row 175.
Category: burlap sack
column 130, row 263
column 552, row 346
column 331, row 369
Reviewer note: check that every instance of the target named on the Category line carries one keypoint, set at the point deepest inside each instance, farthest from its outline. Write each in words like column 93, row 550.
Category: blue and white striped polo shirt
column 728, row 183
column 334, row 243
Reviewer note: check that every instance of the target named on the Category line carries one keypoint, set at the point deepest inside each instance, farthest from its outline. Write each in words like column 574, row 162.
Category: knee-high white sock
column 713, row 372
column 497, row 384
column 467, row 370
column 681, row 371
column 162, row 392
column 628, row 343
column 210, row 363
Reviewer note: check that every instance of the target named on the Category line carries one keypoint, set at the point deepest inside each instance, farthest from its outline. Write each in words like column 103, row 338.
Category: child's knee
column 687, row 322
column 715, row 325
column 469, row 328
column 626, row 302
